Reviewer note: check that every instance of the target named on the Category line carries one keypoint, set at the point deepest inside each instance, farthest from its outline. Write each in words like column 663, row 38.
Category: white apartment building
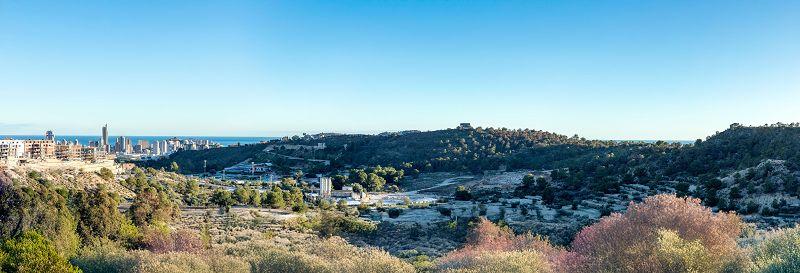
column 12, row 148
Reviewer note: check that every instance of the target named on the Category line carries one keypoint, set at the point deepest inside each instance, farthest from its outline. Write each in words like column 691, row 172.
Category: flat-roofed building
column 91, row 153
column 68, row 151
column 11, row 148
column 39, row 148
column 325, row 187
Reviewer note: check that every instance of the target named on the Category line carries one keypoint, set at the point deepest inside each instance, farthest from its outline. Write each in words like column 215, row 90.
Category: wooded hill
column 482, row 149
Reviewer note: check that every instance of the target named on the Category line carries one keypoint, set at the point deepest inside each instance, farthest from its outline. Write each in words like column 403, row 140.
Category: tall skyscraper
column 50, row 136
column 156, row 150
column 119, row 146
column 104, row 139
column 128, row 146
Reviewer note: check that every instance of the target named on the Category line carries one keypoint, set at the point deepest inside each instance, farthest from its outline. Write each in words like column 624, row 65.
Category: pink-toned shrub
column 628, row 242
column 487, row 243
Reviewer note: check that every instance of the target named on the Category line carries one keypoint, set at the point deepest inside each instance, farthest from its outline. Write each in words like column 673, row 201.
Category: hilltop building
column 464, row 126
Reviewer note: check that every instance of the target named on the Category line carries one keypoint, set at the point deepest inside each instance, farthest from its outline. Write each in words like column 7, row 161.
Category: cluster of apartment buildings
column 45, row 149
column 50, row 148
column 142, row 147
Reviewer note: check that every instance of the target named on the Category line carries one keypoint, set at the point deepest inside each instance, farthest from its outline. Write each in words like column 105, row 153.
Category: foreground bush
column 779, row 253
column 40, row 208
column 663, row 234
column 499, row 261
column 31, row 252
column 115, row 259
column 162, row 240
column 491, row 248
column 327, row 255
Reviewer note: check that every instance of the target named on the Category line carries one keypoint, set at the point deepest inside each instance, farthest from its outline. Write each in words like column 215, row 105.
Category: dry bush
column 491, row 248
column 113, row 258
column 162, row 240
column 104, row 256
column 324, row 255
column 630, row 242
column 500, row 261
column 180, row 262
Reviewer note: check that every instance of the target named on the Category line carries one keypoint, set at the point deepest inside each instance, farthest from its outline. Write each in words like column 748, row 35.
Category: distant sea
column 224, row 141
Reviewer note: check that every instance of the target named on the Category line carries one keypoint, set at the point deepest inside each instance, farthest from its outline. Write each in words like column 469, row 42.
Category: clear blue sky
column 601, row 69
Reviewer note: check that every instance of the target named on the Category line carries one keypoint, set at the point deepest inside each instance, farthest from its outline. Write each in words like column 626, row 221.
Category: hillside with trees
column 722, row 194
column 602, row 165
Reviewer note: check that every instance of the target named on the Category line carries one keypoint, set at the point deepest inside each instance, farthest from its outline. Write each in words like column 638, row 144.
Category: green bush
column 331, row 223
column 106, row 174
column 104, row 256
column 780, row 253
column 394, row 212
column 462, row 194
column 38, row 208
column 32, row 252
column 679, row 255
column 98, row 215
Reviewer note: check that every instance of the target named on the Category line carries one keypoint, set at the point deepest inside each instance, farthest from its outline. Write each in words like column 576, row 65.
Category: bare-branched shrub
column 645, row 238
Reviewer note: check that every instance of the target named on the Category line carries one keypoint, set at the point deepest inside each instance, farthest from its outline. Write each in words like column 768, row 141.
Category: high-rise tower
column 104, row 139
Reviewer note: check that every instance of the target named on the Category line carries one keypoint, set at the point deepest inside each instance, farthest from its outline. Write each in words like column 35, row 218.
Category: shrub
column 445, row 211
column 678, row 255
column 98, row 215
column 642, row 239
column 152, row 205
column 106, row 174
column 104, row 256
column 506, row 261
column 394, row 212
column 422, row 263
column 328, row 255
column 222, row 198
column 161, row 240
column 491, row 248
column 331, row 223
column 32, row 252
column 113, row 259
column 779, row 253
column 38, row 208
column 462, row 194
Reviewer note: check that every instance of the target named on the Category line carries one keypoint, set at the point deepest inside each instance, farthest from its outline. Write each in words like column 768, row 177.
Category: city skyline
column 602, row 70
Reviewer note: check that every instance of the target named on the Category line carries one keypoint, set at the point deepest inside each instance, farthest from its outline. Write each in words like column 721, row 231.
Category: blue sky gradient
column 601, row 69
